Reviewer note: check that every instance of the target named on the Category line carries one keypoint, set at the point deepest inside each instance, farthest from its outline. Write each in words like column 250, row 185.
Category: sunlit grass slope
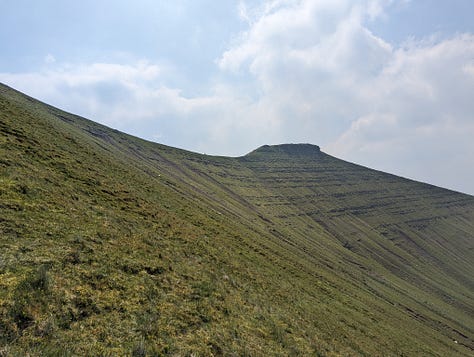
column 112, row 245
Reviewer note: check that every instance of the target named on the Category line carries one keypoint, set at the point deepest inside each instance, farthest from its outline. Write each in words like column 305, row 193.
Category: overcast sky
column 386, row 84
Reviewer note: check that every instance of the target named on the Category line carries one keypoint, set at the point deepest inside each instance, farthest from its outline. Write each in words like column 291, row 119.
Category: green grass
column 112, row 245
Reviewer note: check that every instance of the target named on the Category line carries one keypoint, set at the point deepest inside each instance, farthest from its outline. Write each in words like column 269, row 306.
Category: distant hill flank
column 113, row 245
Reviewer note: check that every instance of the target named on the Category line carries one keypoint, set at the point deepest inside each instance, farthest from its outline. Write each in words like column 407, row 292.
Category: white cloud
column 136, row 99
column 307, row 58
column 335, row 83
column 425, row 92
column 98, row 90
column 49, row 58
column 469, row 69
column 244, row 12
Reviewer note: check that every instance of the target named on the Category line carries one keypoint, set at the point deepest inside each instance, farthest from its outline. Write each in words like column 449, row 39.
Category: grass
column 111, row 245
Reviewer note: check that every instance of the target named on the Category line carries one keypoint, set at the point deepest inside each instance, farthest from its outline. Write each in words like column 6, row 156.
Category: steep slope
column 113, row 245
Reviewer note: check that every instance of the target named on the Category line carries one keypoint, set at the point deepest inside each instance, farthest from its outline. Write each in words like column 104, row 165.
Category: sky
column 387, row 84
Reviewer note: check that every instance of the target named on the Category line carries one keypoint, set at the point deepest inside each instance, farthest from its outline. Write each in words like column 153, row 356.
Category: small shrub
column 139, row 350
column 8, row 332
column 41, row 280
column 45, row 328
column 31, row 292
column 74, row 257
column 203, row 289
column 147, row 323
column 278, row 333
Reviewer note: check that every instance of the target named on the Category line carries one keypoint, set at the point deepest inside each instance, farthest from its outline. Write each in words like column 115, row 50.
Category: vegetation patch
column 112, row 245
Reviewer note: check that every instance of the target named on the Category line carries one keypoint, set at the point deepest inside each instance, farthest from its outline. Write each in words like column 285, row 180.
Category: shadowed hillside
column 112, row 245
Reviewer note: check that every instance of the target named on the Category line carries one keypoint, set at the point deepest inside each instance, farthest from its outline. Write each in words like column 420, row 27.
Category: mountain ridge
column 289, row 149
column 267, row 253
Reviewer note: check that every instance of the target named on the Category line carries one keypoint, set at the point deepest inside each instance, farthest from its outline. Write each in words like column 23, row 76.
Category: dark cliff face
column 283, row 150
column 286, row 250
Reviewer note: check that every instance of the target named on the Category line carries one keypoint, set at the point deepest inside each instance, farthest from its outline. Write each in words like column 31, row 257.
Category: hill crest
column 301, row 149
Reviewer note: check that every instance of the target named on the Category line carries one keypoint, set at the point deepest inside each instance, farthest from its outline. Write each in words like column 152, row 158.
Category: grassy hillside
column 112, row 245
